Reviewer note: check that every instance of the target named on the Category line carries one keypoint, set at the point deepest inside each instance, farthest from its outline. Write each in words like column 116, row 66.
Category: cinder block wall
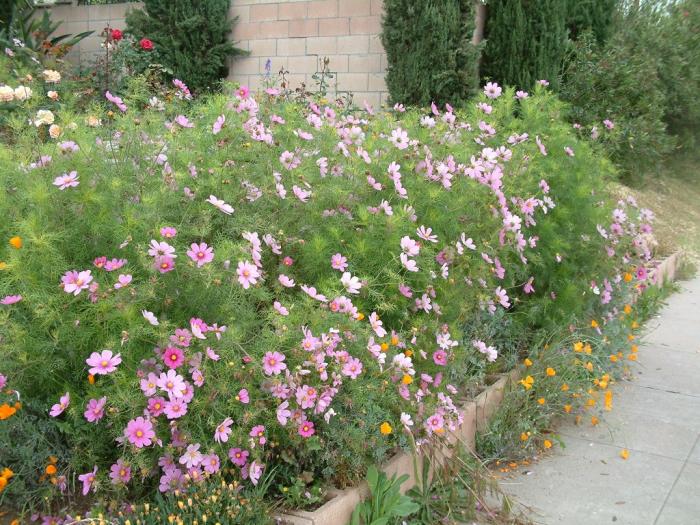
column 297, row 34
column 294, row 34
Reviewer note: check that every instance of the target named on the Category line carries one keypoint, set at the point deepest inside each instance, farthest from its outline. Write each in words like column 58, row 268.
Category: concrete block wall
column 296, row 35
column 78, row 18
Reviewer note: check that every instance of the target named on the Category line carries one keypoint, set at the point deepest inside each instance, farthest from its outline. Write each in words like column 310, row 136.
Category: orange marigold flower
column 385, row 428
column 6, row 411
column 50, row 470
column 551, row 372
column 524, row 436
column 527, row 362
column 16, row 242
column 406, row 379
column 547, row 443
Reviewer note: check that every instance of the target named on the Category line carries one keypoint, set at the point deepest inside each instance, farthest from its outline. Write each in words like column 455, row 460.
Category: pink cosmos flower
column 123, row 281
column 399, row 138
column 280, row 309
column 255, row 470
column 223, row 431
column 95, row 409
column 288, row 261
column 243, row 92
column 352, row 368
column 212, row 355
column 221, row 205
column 103, row 363
column 201, row 253
column 218, row 124
column 306, row 429
column 74, row 282
column 283, row 413
column 351, row 283
column 243, row 396
column 156, row 406
column 58, row 408
column 426, row 234
column 164, row 264
column 247, row 274
column 258, row 432
column 183, row 121
column 528, row 288
column 150, row 317
column 211, row 463
column 161, row 248
column 273, row 363
column 192, row 457
column 140, row 432
column 10, row 299
column 88, row 479
column 286, row 281
column 609, row 124
column 405, row 291
column 376, row 325
column 238, row 456
column 120, row 473
column 440, row 357
column 168, row 232
column 543, row 82
column 492, row 90
column 3, row 381
column 172, row 383
column 520, row 95
column 435, row 424
column 67, row 180
column 175, row 408
column 117, row 101
column 306, row 396
column 198, row 377
column 173, row 357
column 338, row 262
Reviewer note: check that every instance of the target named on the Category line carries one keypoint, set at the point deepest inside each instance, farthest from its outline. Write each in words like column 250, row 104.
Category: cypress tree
column 191, row 37
column 526, row 41
column 429, row 50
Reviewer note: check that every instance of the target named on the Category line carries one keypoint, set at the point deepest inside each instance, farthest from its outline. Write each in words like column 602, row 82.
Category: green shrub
column 191, row 37
column 429, row 51
column 525, row 42
column 306, row 181
column 604, row 83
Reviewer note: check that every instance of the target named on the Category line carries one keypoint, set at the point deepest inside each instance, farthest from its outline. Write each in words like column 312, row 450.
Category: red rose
column 116, row 34
column 146, row 44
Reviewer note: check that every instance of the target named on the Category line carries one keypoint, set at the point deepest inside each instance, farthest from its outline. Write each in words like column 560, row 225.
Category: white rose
column 53, row 95
column 6, row 94
column 23, row 93
column 43, row 116
column 51, row 76
column 54, row 131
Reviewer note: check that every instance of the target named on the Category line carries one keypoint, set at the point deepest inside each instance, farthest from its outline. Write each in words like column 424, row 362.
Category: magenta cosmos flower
column 273, row 363
column 440, row 357
column 103, row 363
column 173, row 357
column 139, row 432
column 238, row 457
column 338, row 262
column 201, row 253
column 306, row 429
column 74, row 282
column 95, row 409
column 58, row 408
column 247, row 274
column 10, row 299
column 120, row 473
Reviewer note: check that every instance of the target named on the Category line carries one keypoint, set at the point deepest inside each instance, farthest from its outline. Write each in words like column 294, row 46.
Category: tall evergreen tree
column 192, row 37
column 429, row 49
column 525, row 41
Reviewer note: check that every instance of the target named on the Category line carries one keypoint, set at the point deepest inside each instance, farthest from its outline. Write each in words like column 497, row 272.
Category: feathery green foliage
column 429, row 50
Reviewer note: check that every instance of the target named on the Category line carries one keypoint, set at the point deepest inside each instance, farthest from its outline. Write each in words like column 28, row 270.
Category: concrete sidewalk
column 656, row 417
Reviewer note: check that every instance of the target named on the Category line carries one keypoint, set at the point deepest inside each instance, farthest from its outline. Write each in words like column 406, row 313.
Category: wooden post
column 479, row 22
